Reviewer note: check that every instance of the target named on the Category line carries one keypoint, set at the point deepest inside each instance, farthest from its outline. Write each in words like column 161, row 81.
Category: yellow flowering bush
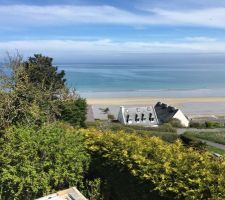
column 175, row 171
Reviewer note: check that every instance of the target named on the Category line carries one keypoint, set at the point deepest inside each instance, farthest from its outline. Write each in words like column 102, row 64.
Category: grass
column 206, row 125
column 215, row 150
column 218, row 137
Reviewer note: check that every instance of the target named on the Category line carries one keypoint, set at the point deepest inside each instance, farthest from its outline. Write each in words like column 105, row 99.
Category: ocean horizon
column 131, row 80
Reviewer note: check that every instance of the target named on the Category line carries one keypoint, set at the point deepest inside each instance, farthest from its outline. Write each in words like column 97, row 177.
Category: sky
column 113, row 30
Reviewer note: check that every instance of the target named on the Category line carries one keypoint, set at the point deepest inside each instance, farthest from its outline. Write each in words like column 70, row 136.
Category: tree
column 42, row 73
column 34, row 92
column 74, row 112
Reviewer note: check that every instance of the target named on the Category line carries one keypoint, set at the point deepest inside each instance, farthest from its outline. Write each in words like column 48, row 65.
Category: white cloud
column 107, row 46
column 200, row 39
column 29, row 15
column 210, row 17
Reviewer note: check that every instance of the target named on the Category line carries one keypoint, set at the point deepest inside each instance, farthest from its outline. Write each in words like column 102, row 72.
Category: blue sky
column 96, row 30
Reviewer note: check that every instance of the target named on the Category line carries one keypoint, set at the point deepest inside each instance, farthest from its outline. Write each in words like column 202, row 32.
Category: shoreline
column 193, row 107
column 152, row 100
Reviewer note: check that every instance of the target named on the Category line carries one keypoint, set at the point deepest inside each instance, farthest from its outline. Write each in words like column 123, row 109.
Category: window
column 143, row 117
column 136, row 118
column 150, row 116
column 127, row 118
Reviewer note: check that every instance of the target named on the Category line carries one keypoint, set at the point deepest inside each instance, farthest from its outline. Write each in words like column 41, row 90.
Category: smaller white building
column 166, row 113
column 144, row 116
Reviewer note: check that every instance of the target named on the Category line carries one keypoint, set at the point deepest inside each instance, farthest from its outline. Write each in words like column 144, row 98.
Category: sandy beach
column 153, row 100
column 191, row 106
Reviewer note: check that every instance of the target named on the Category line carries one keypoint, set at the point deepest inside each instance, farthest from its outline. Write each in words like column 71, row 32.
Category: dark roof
column 164, row 112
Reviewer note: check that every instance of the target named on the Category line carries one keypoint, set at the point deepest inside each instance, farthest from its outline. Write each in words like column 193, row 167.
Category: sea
column 136, row 80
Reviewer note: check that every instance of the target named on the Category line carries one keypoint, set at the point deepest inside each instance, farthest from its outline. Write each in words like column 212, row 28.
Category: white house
column 145, row 116
column 151, row 116
column 165, row 113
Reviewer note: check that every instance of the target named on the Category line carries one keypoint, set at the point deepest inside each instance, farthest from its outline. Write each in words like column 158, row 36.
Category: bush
column 207, row 124
column 74, row 111
column 167, row 127
column 34, row 163
column 102, row 125
column 166, row 136
column 210, row 124
column 175, row 123
column 189, row 140
column 196, row 125
column 172, row 170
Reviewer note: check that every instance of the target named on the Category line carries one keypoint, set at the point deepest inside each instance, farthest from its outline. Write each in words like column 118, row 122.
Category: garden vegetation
column 46, row 146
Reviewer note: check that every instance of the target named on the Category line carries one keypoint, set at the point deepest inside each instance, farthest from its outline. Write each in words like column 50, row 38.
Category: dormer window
column 143, row 117
column 136, row 118
column 150, row 116
column 127, row 119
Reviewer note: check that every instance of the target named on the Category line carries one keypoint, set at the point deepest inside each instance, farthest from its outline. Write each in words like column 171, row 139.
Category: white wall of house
column 121, row 115
column 144, row 115
column 183, row 119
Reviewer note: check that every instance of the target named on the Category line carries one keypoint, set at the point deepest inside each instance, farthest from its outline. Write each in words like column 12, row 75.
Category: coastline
column 151, row 100
column 191, row 106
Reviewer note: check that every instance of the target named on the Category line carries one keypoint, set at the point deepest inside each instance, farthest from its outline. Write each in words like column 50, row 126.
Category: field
column 218, row 137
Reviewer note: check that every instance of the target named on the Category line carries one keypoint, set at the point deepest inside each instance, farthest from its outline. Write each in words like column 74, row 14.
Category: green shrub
column 211, row 124
column 194, row 124
column 37, row 162
column 207, row 124
column 172, row 170
column 167, row 127
column 175, row 123
column 166, row 136
column 74, row 111
column 218, row 137
column 189, row 140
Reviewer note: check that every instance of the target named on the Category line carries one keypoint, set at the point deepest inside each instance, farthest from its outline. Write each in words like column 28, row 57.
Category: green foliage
column 104, row 165
column 167, row 127
column 37, row 162
column 215, row 150
column 189, row 140
column 93, row 189
column 74, row 111
column 194, row 124
column 102, row 125
column 218, row 137
column 165, row 132
column 166, row 136
column 210, row 124
column 176, row 172
column 42, row 73
column 35, row 92
column 175, row 123
column 207, row 124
